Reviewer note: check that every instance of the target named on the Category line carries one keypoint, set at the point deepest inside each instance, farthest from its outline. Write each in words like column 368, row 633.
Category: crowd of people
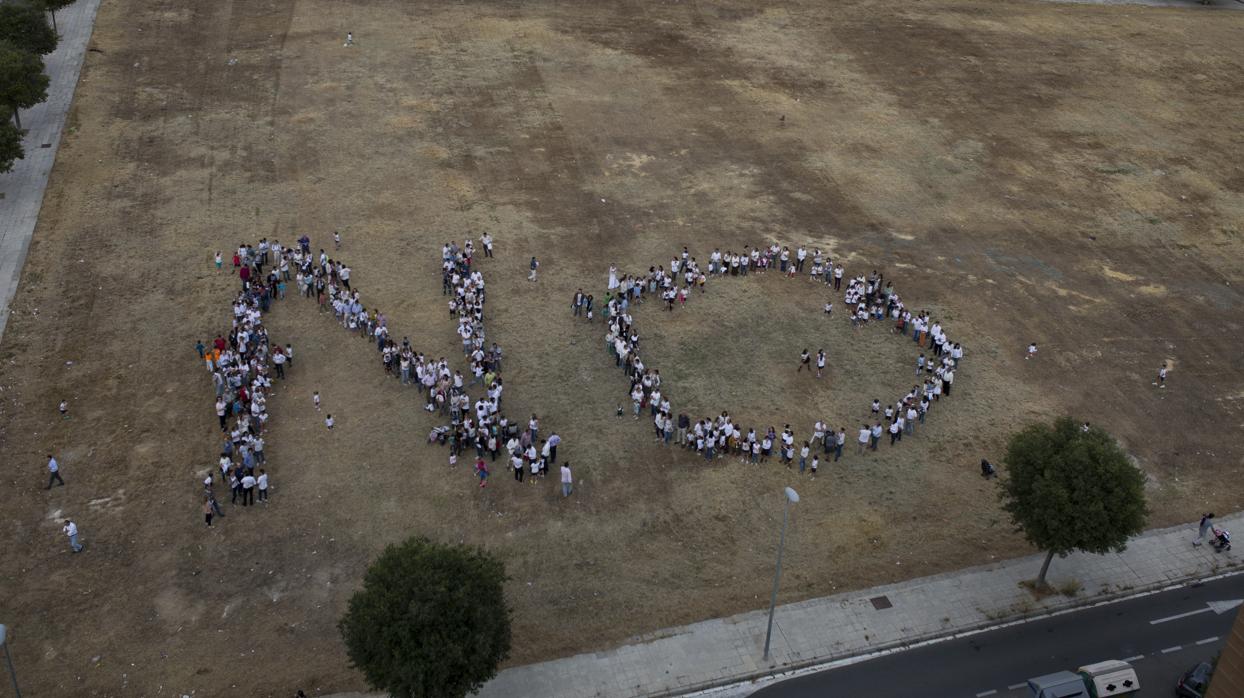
column 867, row 298
column 244, row 364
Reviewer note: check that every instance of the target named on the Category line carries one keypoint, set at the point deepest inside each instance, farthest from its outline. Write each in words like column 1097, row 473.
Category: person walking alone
column 567, row 480
column 54, row 472
column 534, row 266
column 71, row 530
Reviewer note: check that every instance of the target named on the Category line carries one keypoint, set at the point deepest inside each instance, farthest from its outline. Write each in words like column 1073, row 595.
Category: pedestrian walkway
column 728, row 650
column 21, row 190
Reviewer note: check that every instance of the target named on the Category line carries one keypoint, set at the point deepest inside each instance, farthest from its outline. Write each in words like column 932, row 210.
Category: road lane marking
column 1137, row 658
column 1207, row 640
column 1181, row 615
column 1176, row 648
column 1015, row 686
column 990, row 692
column 760, row 679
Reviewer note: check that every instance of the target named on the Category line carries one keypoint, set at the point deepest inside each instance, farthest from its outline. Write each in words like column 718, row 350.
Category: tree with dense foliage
column 23, row 83
column 10, row 146
column 51, row 6
column 1070, row 487
column 431, row 620
column 25, row 25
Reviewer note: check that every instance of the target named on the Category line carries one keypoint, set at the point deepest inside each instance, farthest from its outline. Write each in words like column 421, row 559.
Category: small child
column 349, row 39
column 64, row 408
column 816, row 460
column 337, row 234
column 829, row 309
column 219, row 261
column 1032, row 351
column 328, row 421
column 315, row 397
column 481, row 470
column 1161, row 382
column 453, row 459
column 289, row 355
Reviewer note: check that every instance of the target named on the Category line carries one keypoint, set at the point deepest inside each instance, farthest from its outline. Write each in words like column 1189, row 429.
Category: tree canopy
column 25, row 25
column 1069, row 488
column 10, row 146
column 23, row 83
column 430, row 621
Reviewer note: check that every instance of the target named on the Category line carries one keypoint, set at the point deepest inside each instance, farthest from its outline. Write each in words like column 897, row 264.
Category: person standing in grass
column 481, row 468
column 567, row 479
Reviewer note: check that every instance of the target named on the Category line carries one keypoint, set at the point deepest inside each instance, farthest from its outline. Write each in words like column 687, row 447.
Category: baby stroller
column 1222, row 539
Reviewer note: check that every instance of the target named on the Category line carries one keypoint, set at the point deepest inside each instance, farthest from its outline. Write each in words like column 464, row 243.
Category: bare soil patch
column 1057, row 173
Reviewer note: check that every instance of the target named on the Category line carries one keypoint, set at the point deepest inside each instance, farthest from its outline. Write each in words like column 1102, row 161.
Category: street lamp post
column 3, row 635
column 792, row 497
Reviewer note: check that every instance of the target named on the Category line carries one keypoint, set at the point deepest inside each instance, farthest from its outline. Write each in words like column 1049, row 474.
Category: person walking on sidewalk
column 1207, row 520
column 71, row 530
column 54, row 472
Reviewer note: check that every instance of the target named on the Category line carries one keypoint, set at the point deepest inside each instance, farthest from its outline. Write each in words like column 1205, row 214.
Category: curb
column 1234, row 568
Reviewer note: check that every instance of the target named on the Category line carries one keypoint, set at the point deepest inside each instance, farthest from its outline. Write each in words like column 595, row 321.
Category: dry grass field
column 1059, row 173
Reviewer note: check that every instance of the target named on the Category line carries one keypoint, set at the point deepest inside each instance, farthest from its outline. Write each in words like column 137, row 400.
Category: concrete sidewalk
column 22, row 188
column 728, row 650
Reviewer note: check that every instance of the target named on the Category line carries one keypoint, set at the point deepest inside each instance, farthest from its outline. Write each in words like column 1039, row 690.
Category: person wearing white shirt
column 71, row 530
column 53, row 472
column 567, row 479
column 865, row 433
column 248, row 490
column 262, row 483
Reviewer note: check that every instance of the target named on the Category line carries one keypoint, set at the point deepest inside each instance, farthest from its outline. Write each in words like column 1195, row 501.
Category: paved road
column 998, row 662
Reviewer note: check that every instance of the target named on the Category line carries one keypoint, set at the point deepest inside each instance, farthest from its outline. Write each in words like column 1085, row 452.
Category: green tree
column 23, row 83
column 1068, row 489
column 51, row 6
column 25, row 26
column 431, row 620
column 10, row 146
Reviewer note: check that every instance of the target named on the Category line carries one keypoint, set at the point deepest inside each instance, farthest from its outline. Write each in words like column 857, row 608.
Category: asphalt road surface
column 1161, row 635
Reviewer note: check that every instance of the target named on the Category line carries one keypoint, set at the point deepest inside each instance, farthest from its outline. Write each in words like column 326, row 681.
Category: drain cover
column 881, row 603
column 46, row 145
